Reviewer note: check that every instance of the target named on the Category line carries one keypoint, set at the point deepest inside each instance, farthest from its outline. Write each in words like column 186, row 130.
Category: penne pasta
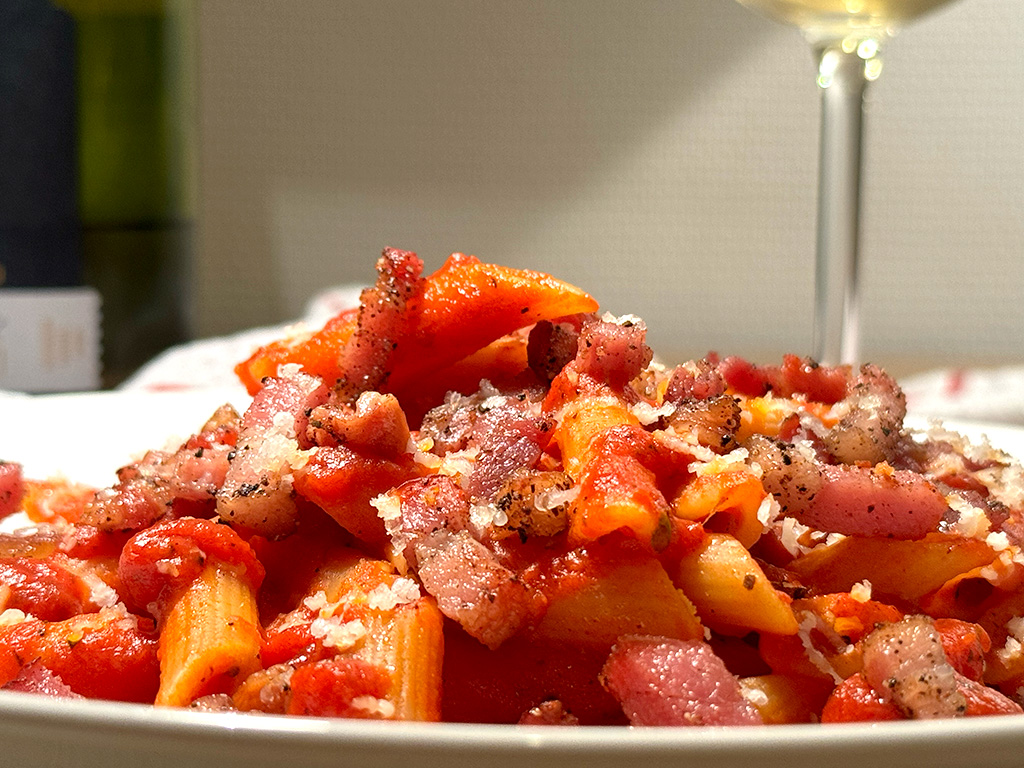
column 472, row 498
column 901, row 570
column 725, row 502
column 584, row 419
column 210, row 637
column 731, row 592
column 401, row 631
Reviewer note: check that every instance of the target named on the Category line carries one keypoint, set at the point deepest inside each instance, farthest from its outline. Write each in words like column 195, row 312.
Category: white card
column 49, row 339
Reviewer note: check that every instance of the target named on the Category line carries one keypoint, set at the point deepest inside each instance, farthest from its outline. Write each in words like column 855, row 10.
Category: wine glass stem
column 843, row 79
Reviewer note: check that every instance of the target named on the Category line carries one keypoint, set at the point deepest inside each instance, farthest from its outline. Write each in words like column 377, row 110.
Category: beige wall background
column 660, row 153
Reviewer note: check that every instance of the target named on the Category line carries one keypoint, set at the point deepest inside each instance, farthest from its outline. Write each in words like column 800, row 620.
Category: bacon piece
column 450, row 425
column 507, row 430
column 905, row 662
column 376, row 425
column 551, row 347
column 12, row 488
column 165, row 484
column 796, row 375
column 713, row 420
column 284, row 403
column 864, row 502
column 257, row 492
column 468, row 581
column 612, row 353
column 661, row 681
column 381, row 325
column 509, row 438
column 35, row 678
column 870, row 427
column 854, row 501
column 472, row 587
column 801, row 375
column 428, row 504
column 745, row 378
column 534, row 504
column 696, row 380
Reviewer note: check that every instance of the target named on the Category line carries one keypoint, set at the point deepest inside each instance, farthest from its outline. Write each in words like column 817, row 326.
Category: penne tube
column 614, row 598
column 409, row 644
column 403, row 630
column 584, row 419
column 725, row 502
column 731, row 592
column 897, row 569
column 210, row 637
column 782, row 699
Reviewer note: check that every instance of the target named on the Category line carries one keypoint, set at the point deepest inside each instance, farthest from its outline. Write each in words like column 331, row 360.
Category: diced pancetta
column 661, row 681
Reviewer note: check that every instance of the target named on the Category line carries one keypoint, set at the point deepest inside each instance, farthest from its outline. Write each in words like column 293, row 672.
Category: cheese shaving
column 337, row 634
column 401, row 592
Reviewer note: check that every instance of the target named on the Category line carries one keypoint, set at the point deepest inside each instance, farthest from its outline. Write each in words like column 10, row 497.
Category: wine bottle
column 49, row 321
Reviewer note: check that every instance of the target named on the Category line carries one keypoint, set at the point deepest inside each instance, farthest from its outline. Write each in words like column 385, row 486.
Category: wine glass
column 847, row 38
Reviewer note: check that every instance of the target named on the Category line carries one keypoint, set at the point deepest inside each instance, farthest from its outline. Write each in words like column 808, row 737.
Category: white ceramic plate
column 86, row 437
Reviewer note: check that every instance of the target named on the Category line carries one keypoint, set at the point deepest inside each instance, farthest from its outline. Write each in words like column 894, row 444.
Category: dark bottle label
column 39, row 232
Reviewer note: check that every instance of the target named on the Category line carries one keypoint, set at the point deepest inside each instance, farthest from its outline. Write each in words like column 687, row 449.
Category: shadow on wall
column 333, row 129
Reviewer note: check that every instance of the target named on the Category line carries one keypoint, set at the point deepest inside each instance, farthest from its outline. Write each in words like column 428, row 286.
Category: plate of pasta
column 473, row 521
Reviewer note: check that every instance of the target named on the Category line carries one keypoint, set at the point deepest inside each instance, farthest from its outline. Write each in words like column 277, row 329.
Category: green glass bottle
column 135, row 115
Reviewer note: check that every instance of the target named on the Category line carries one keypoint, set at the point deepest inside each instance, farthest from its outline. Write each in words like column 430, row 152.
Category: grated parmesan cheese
column 101, row 594
column 756, row 697
column 648, row 414
column 686, row 444
column 167, row 567
column 288, row 370
column 401, row 592
column 718, row 464
column 13, row 616
column 833, row 538
column 998, row 541
column 623, row 320
column 318, row 602
column 337, row 634
column 374, row 706
column 972, row 522
column 555, row 498
column 459, row 465
column 790, row 536
column 861, row 591
column 389, row 508
column 421, row 453
column 484, row 516
column 807, row 623
column 768, row 511
column 1009, row 652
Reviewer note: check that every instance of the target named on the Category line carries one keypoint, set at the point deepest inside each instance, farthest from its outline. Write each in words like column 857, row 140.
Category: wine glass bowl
column 846, row 37
column 832, row 20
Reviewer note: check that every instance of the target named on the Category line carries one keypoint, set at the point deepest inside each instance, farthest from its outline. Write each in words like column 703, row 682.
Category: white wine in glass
column 847, row 37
